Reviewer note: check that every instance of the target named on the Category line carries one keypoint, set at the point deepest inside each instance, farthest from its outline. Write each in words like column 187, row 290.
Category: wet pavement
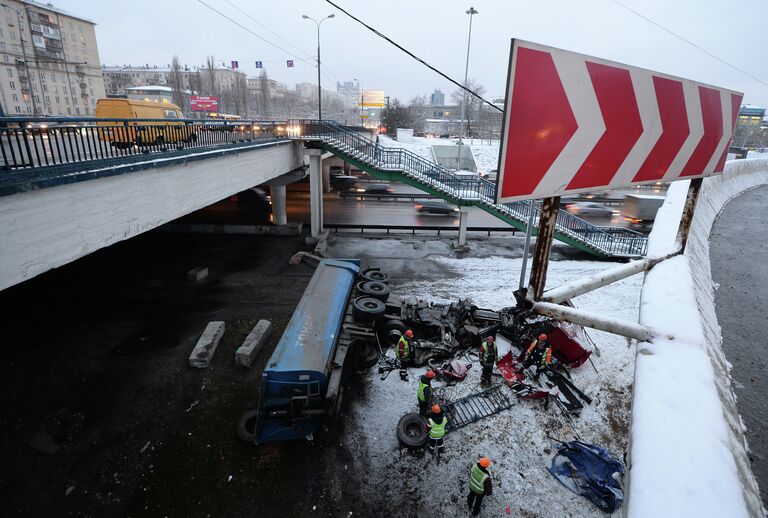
column 739, row 259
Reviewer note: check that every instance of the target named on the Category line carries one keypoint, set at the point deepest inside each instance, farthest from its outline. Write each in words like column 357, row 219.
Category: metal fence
column 55, row 141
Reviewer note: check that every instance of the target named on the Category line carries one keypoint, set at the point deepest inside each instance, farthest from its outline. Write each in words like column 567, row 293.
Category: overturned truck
column 344, row 322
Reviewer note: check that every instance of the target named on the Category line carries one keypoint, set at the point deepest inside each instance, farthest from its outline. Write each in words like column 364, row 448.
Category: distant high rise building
column 350, row 90
column 51, row 61
column 437, row 98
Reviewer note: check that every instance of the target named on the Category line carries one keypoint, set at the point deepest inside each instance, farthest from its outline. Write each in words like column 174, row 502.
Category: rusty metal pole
column 550, row 208
column 688, row 211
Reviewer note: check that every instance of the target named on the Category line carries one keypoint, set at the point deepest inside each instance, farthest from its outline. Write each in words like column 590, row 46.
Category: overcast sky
column 150, row 32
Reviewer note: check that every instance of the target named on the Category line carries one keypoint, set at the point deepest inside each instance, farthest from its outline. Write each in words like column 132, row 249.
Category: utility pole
column 319, row 88
column 471, row 12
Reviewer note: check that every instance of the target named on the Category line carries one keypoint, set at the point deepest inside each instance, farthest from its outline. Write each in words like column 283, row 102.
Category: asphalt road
column 740, row 266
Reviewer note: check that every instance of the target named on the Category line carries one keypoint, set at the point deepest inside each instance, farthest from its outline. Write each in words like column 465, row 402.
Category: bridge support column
column 463, row 217
column 279, row 213
column 316, row 191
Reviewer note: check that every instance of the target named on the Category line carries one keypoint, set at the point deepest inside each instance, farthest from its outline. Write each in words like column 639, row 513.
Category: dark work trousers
column 485, row 377
column 436, row 443
column 423, row 407
column 475, row 499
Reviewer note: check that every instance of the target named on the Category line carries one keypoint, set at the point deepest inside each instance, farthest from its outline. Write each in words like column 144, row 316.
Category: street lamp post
column 319, row 95
column 471, row 12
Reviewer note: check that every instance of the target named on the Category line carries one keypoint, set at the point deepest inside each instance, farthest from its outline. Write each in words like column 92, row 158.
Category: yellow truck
column 167, row 128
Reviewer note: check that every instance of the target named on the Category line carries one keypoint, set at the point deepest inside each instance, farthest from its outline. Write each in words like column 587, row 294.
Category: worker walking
column 487, row 360
column 480, row 484
column 436, row 428
column 424, row 392
column 539, row 353
column 405, row 353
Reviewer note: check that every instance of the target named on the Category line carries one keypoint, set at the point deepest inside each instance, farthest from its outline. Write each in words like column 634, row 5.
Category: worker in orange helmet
column 480, row 484
column 539, row 353
column 436, row 428
column 405, row 352
column 424, row 392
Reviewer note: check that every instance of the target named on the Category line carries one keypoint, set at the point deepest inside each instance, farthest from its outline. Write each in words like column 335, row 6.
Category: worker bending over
column 436, row 428
column 539, row 353
column 480, row 484
column 487, row 360
column 405, row 353
column 424, row 392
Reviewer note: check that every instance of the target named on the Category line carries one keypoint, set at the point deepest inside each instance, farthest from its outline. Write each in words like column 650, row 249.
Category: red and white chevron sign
column 576, row 123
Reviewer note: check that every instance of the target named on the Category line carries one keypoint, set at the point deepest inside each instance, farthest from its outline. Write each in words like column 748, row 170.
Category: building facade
column 51, row 61
column 750, row 128
column 437, row 98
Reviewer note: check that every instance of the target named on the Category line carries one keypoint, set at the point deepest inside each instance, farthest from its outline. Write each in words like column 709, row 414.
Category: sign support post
column 550, row 208
column 690, row 207
column 528, row 232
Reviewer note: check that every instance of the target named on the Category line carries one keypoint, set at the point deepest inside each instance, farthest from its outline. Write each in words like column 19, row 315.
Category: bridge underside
column 47, row 228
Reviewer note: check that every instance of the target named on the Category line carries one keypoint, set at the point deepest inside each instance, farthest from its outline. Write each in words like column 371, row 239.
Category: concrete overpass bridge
column 69, row 187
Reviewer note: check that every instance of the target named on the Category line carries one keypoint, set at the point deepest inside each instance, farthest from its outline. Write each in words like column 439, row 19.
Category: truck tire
column 366, row 355
column 246, row 425
column 410, row 431
column 391, row 332
column 367, row 309
column 375, row 275
column 375, row 289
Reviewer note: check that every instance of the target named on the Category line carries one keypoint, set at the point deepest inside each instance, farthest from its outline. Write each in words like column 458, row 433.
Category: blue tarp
column 590, row 471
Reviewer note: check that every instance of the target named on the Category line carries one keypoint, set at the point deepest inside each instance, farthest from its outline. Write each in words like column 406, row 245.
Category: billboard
column 372, row 99
column 575, row 123
column 200, row 103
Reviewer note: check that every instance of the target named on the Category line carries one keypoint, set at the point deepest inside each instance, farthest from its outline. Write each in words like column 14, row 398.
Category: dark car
column 436, row 207
column 376, row 188
column 343, row 183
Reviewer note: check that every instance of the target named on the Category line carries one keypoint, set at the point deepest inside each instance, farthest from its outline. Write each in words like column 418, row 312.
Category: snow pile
column 398, row 482
column 486, row 155
column 687, row 452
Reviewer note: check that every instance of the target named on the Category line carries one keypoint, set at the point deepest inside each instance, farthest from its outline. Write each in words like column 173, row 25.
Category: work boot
column 403, row 374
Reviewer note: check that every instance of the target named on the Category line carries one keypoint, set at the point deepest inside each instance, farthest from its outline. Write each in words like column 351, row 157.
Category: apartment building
column 49, row 61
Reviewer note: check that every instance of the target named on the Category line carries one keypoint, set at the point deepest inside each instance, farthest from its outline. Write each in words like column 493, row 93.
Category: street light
column 319, row 101
column 471, row 12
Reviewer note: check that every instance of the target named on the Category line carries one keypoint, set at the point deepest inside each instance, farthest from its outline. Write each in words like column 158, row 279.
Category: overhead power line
column 379, row 34
column 262, row 38
column 689, row 42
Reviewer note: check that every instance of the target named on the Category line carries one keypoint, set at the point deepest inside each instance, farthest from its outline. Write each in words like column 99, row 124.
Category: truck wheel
column 375, row 275
column 410, row 431
column 246, row 425
column 366, row 309
column 375, row 289
column 366, row 355
column 391, row 332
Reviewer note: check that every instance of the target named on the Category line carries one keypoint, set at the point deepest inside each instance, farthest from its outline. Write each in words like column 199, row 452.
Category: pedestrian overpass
column 70, row 186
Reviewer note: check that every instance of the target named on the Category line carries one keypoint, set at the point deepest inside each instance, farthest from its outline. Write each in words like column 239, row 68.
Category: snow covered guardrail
column 687, row 454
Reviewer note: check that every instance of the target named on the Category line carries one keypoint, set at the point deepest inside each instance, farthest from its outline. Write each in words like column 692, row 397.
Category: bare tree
column 209, row 81
column 472, row 106
column 177, row 83
column 241, row 95
column 265, row 100
column 396, row 115
column 417, row 106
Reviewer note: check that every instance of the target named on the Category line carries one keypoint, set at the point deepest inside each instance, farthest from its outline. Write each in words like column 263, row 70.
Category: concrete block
column 253, row 343
column 203, row 352
column 197, row 274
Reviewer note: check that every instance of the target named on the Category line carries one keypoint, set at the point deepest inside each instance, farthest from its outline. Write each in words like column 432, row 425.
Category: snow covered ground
column 398, row 482
column 486, row 155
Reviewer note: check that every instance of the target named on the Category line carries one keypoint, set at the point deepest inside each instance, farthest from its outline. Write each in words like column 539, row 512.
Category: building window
column 64, row 88
column 14, row 97
column 47, row 99
column 29, row 109
column 10, row 72
column 69, row 110
column 42, row 76
column 2, row 45
column 12, row 84
column 36, row 98
column 53, row 77
column 13, row 35
column 77, row 111
column 18, row 109
column 45, row 88
column 58, row 99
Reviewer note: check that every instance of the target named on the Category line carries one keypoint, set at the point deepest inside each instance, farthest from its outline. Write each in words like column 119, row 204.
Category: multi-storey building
column 748, row 131
column 50, row 61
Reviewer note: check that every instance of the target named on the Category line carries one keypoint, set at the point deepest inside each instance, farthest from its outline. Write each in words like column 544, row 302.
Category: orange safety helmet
column 485, row 462
column 436, row 409
column 430, row 374
column 542, row 336
column 490, row 339
column 409, row 333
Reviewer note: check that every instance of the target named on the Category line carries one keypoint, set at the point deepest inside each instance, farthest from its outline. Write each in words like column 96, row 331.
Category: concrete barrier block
column 206, row 345
column 197, row 274
column 253, row 343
